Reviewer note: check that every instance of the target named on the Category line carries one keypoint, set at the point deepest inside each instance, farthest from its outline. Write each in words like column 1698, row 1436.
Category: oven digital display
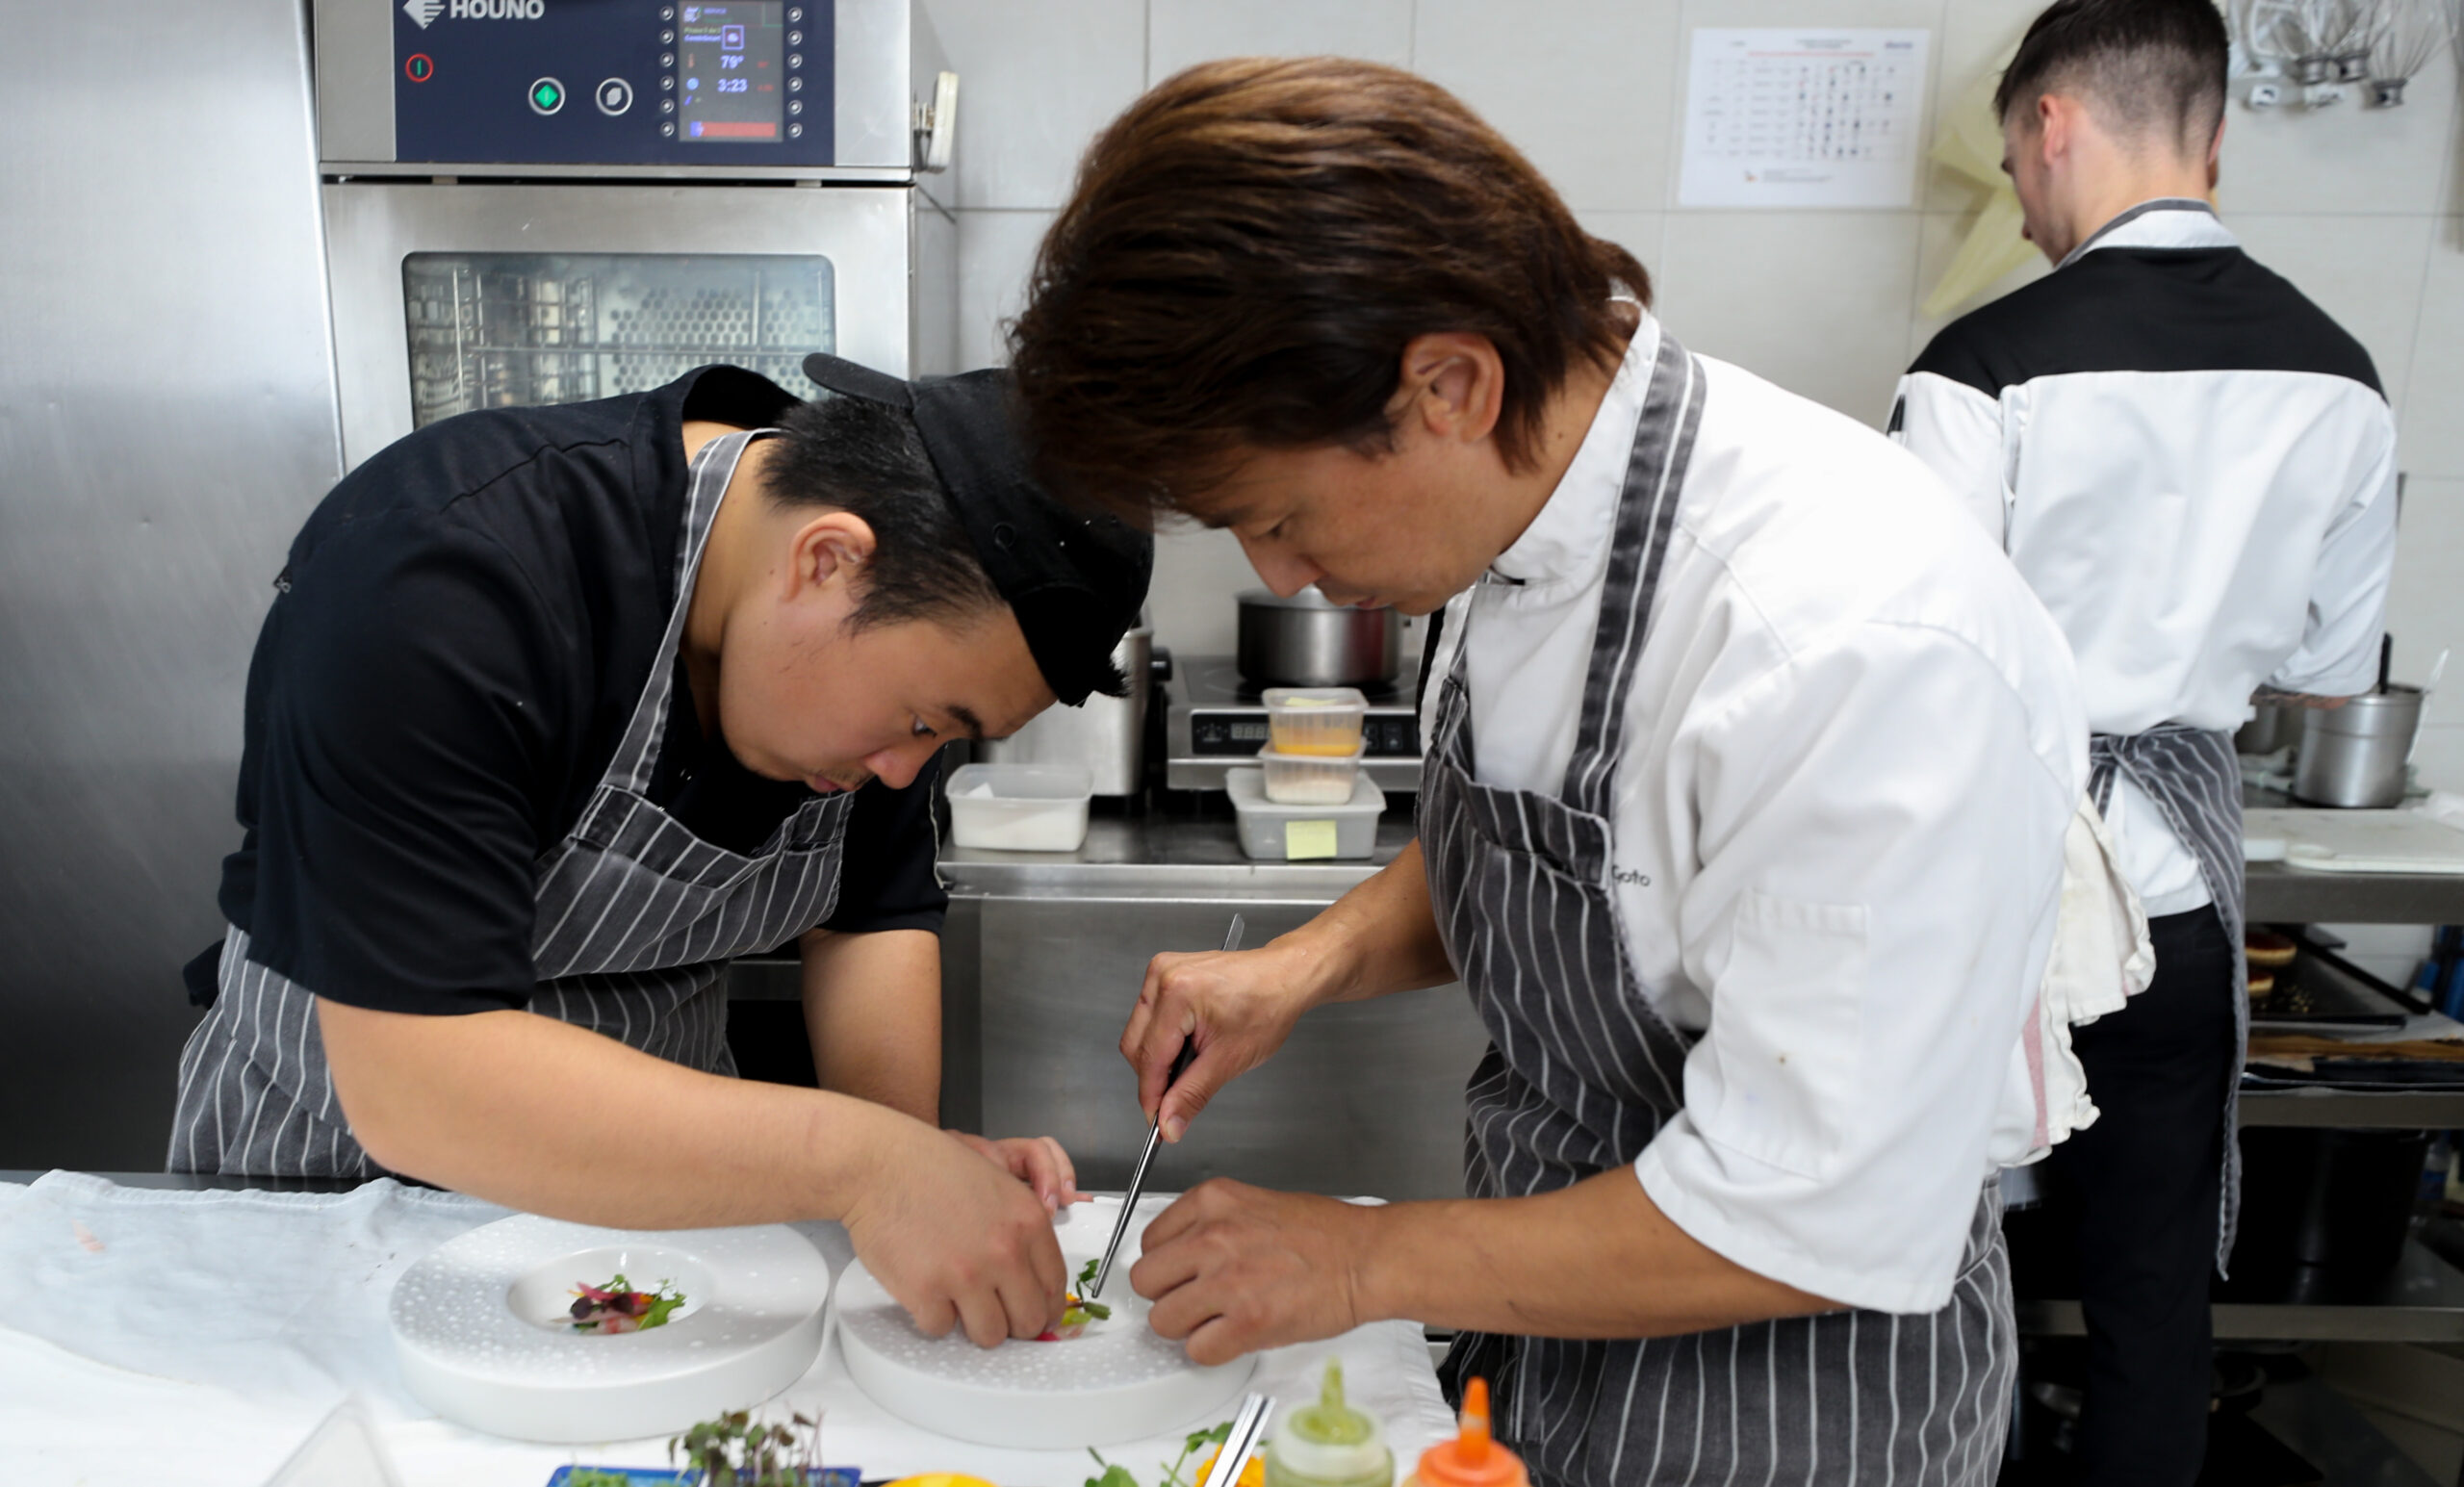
column 733, row 74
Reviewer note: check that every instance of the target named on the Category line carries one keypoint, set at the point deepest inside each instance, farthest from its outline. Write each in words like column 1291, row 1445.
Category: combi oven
column 540, row 201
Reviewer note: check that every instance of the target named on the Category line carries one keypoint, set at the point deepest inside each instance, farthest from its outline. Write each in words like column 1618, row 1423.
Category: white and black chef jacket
column 1854, row 743
column 2195, row 469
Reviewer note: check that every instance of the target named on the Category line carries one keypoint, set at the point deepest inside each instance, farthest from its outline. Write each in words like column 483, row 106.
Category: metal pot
column 1107, row 736
column 2354, row 756
column 1307, row 641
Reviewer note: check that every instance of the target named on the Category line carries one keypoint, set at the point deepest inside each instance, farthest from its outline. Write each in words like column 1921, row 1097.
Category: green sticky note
column 1305, row 839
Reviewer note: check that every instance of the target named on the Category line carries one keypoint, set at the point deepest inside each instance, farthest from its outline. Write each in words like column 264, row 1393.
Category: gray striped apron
column 637, row 918
column 2194, row 778
column 1580, row 1074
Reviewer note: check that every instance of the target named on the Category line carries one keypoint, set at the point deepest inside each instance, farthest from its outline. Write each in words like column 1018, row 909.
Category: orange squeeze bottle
column 1472, row 1459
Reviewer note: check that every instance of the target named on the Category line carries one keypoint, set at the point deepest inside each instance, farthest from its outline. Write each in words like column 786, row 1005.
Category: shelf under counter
column 2421, row 1300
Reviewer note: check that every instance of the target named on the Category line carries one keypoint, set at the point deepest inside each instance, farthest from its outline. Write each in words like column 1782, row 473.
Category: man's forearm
column 1380, row 938
column 873, row 1011
column 1598, row 1259
column 555, row 1119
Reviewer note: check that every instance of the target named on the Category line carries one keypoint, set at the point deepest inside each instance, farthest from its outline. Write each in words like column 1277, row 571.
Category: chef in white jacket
column 2194, row 468
column 1748, row 764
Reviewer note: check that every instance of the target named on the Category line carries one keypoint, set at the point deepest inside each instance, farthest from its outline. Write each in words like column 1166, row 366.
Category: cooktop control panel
column 615, row 81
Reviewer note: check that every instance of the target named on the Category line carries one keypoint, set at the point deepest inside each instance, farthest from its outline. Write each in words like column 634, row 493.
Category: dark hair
column 1247, row 252
column 2148, row 65
column 865, row 458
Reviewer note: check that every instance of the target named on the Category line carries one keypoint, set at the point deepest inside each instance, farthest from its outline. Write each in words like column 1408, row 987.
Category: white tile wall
column 996, row 251
column 1182, row 32
column 1586, row 89
column 2358, row 207
column 1037, row 78
column 1818, row 301
column 2433, row 430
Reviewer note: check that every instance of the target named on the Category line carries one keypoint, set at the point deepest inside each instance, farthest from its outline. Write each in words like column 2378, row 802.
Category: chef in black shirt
column 560, row 709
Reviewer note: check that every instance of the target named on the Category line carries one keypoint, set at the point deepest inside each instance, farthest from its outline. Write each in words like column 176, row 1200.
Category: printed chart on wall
column 1797, row 118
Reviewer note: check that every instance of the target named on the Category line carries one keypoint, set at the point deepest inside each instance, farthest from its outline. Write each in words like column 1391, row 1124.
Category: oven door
column 451, row 297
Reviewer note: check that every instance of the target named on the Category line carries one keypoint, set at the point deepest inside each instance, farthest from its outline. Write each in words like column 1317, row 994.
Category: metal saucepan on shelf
column 2354, row 756
column 1307, row 641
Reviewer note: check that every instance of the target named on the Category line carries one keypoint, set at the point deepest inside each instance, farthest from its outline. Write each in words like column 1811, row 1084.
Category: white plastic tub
column 1297, row 833
column 1321, row 720
column 1310, row 779
column 1020, row 808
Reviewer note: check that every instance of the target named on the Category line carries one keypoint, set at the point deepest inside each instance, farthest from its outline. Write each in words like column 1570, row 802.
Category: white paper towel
column 201, row 1337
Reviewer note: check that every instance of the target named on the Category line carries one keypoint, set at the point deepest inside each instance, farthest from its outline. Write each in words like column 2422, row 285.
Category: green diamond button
column 547, row 95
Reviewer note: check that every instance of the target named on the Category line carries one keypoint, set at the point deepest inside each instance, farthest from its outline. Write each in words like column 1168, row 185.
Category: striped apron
column 637, row 918
column 2194, row 778
column 1580, row 1074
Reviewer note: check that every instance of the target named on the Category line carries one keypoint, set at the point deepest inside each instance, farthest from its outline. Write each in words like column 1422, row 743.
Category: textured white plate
column 1117, row 1382
column 478, row 1327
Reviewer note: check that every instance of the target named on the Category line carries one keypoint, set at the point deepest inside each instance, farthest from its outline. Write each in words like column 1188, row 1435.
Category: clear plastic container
column 1309, row 778
column 1272, row 832
column 1019, row 807
column 1314, row 719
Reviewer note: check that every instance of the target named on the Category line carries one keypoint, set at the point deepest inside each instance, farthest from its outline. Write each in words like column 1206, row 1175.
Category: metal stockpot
column 1307, row 641
column 1107, row 736
column 2353, row 756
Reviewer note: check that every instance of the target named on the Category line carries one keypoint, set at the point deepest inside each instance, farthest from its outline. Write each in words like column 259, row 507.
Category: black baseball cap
column 1074, row 581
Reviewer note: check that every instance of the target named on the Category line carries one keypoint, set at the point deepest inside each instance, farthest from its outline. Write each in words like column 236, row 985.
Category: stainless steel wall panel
column 166, row 421
column 355, row 66
column 1364, row 1099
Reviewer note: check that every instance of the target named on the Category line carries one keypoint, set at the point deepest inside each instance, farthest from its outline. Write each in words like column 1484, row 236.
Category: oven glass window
column 503, row 330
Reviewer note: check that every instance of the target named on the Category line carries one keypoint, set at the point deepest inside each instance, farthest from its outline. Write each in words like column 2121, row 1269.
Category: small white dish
column 484, row 1338
column 1117, row 1382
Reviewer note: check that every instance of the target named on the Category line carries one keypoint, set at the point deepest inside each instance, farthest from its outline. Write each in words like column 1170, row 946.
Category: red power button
column 419, row 66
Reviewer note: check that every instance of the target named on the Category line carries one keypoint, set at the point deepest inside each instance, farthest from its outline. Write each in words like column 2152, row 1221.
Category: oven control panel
column 614, row 82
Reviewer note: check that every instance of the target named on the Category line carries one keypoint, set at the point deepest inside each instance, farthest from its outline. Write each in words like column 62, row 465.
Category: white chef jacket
column 2195, row 469
column 1854, row 745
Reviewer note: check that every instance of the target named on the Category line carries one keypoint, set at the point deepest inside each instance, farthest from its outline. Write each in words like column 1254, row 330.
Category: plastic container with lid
column 1309, row 778
column 1314, row 719
column 1471, row 1459
column 1272, row 832
column 1019, row 807
column 1330, row 1444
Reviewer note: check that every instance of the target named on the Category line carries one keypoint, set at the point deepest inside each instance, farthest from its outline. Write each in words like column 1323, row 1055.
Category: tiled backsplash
column 2358, row 207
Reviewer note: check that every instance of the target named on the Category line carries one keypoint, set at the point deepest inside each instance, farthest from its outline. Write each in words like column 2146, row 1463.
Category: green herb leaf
column 1096, row 1309
column 1087, row 1274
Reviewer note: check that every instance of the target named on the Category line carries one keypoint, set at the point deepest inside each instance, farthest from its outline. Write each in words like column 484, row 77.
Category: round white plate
column 481, row 1327
column 1117, row 1382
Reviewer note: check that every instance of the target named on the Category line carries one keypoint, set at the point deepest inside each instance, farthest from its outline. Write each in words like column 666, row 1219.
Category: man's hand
column 1038, row 1161
column 957, row 1240
column 1236, row 1007
column 1234, row 1269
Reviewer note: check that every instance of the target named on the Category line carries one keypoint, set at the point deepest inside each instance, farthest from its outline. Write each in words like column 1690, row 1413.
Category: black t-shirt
column 459, row 638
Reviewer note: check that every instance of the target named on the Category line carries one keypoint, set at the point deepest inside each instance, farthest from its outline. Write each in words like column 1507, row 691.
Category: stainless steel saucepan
column 1307, row 641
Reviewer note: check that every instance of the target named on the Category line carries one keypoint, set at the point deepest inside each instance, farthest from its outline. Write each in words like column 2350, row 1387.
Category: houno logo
column 425, row 12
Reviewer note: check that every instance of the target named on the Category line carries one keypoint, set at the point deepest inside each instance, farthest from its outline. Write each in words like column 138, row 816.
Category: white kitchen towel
column 2101, row 958
column 154, row 1335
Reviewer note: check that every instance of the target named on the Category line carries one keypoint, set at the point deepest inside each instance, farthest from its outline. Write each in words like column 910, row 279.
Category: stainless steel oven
column 538, row 201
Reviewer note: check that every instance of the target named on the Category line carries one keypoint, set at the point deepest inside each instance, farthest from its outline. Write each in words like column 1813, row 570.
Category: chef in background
column 1749, row 765
column 2194, row 468
column 560, row 709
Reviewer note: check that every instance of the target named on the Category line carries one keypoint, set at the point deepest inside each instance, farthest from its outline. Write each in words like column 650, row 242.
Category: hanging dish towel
column 2101, row 958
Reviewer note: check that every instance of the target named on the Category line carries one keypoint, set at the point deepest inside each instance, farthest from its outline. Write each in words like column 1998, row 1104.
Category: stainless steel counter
column 1041, row 963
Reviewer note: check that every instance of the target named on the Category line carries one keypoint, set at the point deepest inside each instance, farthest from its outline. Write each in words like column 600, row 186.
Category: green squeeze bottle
column 1330, row 1444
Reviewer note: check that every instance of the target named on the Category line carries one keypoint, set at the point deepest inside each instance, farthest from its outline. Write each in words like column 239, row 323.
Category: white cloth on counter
column 1855, row 741
column 156, row 1335
column 2101, row 958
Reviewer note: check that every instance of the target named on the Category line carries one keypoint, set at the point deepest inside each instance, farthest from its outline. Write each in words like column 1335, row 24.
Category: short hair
column 1247, row 252
column 2144, row 64
column 865, row 458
